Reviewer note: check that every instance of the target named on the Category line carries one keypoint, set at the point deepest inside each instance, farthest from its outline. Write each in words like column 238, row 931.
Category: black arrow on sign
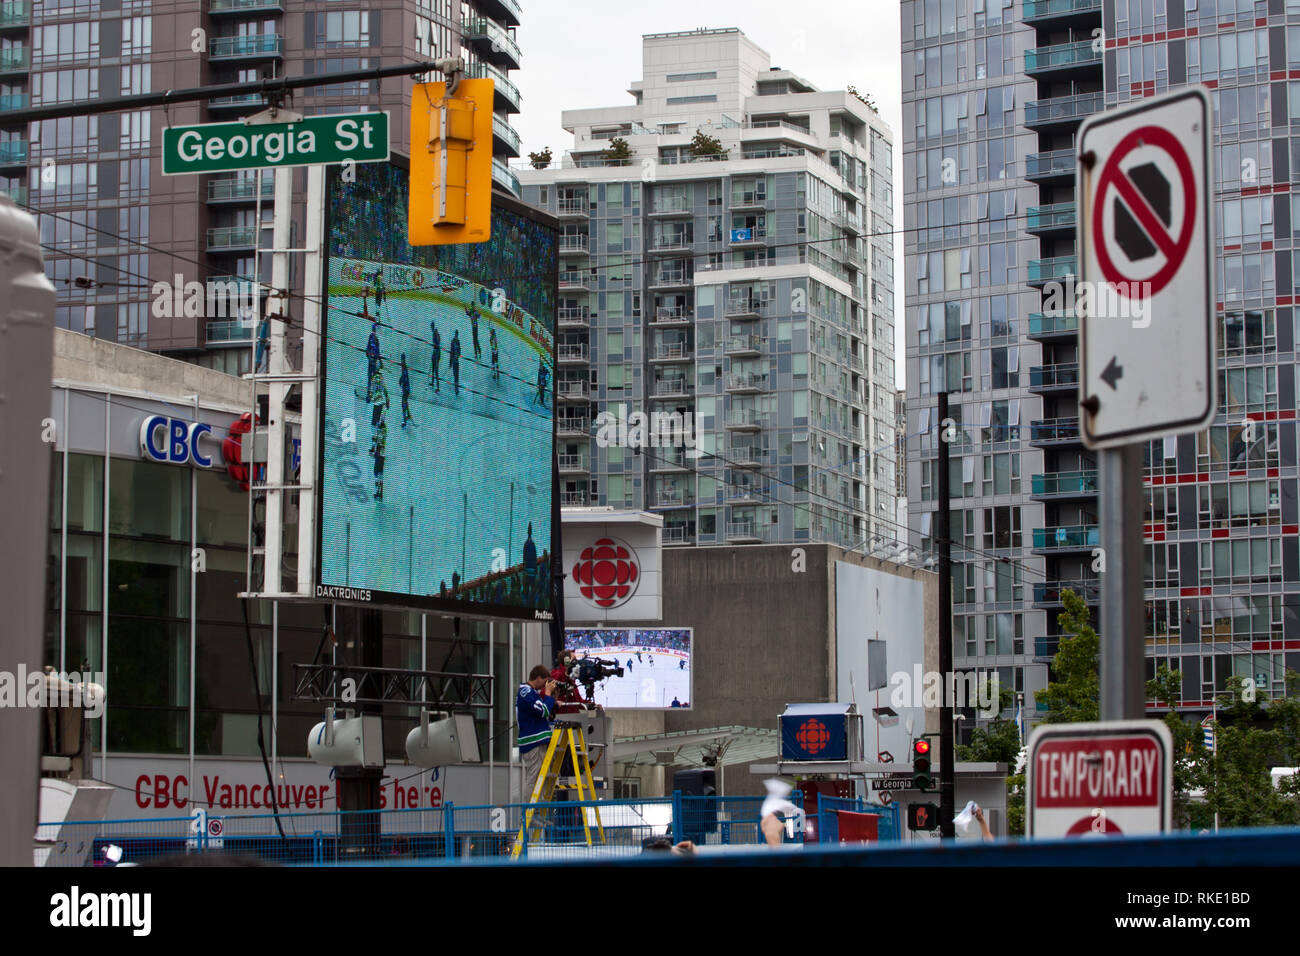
column 1112, row 373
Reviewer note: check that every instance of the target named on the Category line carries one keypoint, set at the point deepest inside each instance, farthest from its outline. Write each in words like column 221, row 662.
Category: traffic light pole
column 943, row 539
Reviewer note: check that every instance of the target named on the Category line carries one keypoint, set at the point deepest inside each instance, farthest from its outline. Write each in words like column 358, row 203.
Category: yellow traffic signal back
column 451, row 164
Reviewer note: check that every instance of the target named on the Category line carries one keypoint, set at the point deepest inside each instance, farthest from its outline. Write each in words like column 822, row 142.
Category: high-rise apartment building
column 728, row 262
column 1223, row 569
column 99, row 177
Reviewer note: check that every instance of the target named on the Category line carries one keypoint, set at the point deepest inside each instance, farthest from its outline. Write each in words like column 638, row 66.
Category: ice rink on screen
column 449, row 475
column 647, row 686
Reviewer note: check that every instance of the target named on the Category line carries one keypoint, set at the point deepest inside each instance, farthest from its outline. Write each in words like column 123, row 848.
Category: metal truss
column 324, row 683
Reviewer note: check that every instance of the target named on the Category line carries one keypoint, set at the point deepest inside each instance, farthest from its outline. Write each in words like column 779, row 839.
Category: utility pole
column 943, row 538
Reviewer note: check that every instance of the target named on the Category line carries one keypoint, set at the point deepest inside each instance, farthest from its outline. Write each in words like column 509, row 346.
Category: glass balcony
column 1056, row 216
column 750, row 531
column 1045, row 649
column 574, row 280
column 1062, row 57
column 506, row 11
column 506, row 93
column 1051, row 164
column 232, row 48
column 672, row 352
column 573, row 243
column 13, row 101
column 573, row 499
column 1034, row 11
column 746, row 382
column 17, row 193
column 1054, row 431
column 745, row 345
column 243, row 6
column 503, row 177
column 578, row 208
column 746, row 308
column 1048, row 270
column 678, row 534
column 1049, row 592
column 232, row 237
column 1061, row 110
column 745, row 420
column 571, row 352
column 571, row 463
column 1046, row 377
column 493, row 43
column 671, row 206
column 1064, row 484
column 673, row 498
column 15, row 14
column 1067, row 538
column 681, row 315
column 229, row 332
column 673, row 388
column 13, row 153
column 238, row 189
column 1046, row 325
column 243, row 100
column 505, row 134
column 571, row 389
column 14, row 60
column 573, row 424
column 575, row 316
column 671, row 279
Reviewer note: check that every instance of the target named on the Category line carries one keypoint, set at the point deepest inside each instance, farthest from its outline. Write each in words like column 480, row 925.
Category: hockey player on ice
column 455, row 359
column 436, row 341
column 405, row 383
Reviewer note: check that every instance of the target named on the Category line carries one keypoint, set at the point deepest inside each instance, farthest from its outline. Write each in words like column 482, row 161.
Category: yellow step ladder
column 566, row 740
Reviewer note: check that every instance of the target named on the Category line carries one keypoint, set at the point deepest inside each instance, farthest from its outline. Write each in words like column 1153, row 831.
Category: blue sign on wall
column 814, row 737
column 742, row 235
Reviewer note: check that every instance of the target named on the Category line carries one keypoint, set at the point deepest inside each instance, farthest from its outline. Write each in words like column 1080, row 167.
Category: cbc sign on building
column 613, row 567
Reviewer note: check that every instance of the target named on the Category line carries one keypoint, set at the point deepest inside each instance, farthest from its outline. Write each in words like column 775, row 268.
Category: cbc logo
column 607, row 572
column 174, row 441
column 813, row 736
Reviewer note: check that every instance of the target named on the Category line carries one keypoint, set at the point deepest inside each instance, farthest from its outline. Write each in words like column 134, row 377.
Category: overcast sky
column 583, row 53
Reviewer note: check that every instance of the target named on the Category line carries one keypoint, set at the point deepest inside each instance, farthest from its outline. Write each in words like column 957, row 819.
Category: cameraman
column 535, row 709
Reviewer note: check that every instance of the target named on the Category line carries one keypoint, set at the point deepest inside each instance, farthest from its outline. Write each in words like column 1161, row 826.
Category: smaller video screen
column 633, row 668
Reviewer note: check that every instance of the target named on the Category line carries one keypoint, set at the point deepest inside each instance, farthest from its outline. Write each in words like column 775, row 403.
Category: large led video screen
column 656, row 665
column 438, row 407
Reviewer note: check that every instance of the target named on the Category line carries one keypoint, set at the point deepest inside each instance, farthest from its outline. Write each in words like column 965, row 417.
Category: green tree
column 540, row 160
column 1000, row 742
column 619, row 152
column 1189, row 751
column 705, row 145
column 1073, row 696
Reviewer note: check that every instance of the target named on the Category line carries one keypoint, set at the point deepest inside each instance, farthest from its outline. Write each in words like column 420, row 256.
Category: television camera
column 589, row 671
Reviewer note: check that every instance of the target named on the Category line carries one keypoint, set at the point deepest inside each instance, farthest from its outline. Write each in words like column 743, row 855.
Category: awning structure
column 698, row 748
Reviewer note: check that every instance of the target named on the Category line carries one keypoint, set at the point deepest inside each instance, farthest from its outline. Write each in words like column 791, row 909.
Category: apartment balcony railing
column 571, row 463
column 1048, row 377
column 678, row 534
column 751, row 531
column 673, row 498
column 671, row 279
column 1054, row 431
column 671, row 206
column 505, row 11
column 574, row 316
column 745, row 345
column 1066, row 538
column 1059, row 110
column 493, row 43
column 1054, row 217
column 1036, row 10
column 243, row 6
column 747, row 200
column 503, row 177
column 673, row 352
column 574, row 243
column 1049, row 270
column 17, row 193
column 1062, row 56
column 746, row 308
column 1064, row 484
column 242, row 101
column 1045, row 325
column 746, row 382
column 1045, row 649
column 571, row 353
column 13, row 101
column 14, row 60
column 571, row 389
column 506, row 135
column 667, row 459
column 571, row 208
column 228, row 331
column 504, row 90
column 673, row 388
column 1053, row 163
column 575, row 280
column 746, row 456
column 573, row 424
column 676, row 316
column 242, row 188
column 573, row 499
column 257, row 47
column 849, row 221
column 742, row 492
column 232, row 237
column 747, row 237
column 671, row 243
column 13, row 153
column 1049, row 592
column 745, row 420
column 17, row 14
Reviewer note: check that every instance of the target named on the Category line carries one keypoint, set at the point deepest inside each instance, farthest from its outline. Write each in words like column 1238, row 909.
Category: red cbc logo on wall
column 607, row 572
column 813, row 736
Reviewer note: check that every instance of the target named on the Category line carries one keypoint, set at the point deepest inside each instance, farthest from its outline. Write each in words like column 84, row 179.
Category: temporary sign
column 1145, row 298
column 1099, row 779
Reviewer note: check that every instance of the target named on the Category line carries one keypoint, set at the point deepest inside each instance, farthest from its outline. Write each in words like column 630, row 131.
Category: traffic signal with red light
column 921, row 778
column 922, row 816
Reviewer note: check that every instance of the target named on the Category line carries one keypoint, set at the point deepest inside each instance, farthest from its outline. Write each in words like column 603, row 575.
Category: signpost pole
column 277, row 426
column 943, row 543
column 1122, row 651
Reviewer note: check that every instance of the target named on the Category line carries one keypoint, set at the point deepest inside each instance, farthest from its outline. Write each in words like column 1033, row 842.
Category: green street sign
column 323, row 140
